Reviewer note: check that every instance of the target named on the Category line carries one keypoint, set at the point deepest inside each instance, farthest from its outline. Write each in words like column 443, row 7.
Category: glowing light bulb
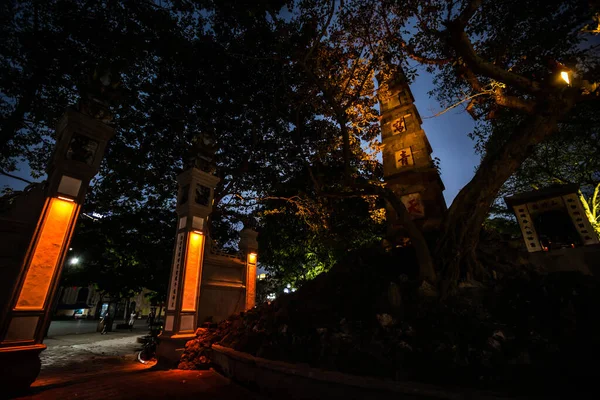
column 565, row 77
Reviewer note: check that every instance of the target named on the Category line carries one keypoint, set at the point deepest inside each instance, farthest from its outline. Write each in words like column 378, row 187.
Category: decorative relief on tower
column 404, row 158
column 202, row 195
column 82, row 149
column 399, row 126
column 414, row 205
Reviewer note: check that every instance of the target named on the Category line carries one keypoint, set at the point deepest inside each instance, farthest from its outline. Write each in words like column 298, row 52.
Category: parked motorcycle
column 149, row 344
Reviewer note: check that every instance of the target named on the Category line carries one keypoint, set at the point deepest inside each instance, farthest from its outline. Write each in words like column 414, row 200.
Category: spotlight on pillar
column 252, row 258
column 565, row 77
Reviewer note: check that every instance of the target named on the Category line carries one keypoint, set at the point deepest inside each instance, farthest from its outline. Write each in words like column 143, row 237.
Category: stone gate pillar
column 30, row 276
column 408, row 168
column 249, row 247
column 194, row 205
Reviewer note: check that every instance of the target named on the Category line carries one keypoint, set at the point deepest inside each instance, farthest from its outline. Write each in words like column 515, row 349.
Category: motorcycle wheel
column 145, row 358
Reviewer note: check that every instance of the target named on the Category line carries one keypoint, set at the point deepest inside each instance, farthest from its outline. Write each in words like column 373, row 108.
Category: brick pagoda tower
column 408, row 168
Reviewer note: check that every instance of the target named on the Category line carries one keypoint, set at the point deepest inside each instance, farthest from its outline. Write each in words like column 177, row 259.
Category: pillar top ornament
column 202, row 154
column 248, row 240
column 100, row 90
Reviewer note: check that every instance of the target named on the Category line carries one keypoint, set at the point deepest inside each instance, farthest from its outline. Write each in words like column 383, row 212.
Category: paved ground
column 94, row 366
column 136, row 381
column 79, row 326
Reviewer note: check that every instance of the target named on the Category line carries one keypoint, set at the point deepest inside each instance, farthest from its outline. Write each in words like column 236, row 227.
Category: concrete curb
column 299, row 382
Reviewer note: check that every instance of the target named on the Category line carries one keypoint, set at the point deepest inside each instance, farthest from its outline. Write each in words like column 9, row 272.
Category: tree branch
column 409, row 50
column 468, row 12
column 515, row 103
column 426, row 269
column 458, row 104
column 460, row 41
column 15, row 177
column 323, row 31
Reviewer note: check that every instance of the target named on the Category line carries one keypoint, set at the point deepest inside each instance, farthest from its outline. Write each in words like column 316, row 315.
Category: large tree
column 197, row 67
column 288, row 90
column 494, row 56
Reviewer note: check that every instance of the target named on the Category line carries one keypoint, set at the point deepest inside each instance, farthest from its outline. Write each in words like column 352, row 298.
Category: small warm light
column 74, row 261
column 252, row 258
column 198, row 232
column 565, row 77
column 262, row 276
column 65, row 198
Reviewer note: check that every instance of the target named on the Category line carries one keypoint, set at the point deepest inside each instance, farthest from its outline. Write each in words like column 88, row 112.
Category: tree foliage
column 304, row 234
column 288, row 90
column 497, row 57
column 123, row 253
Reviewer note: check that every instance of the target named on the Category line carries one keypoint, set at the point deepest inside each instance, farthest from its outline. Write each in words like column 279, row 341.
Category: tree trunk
column 426, row 267
column 455, row 252
column 125, row 312
column 159, row 312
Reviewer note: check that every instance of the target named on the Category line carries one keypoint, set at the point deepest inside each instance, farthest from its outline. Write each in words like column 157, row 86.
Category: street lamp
column 74, row 261
column 565, row 77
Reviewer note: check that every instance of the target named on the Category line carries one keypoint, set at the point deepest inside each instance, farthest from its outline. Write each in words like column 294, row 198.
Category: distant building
column 87, row 302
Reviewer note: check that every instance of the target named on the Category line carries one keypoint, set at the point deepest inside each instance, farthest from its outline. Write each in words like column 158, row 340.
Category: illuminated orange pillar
column 24, row 318
column 249, row 246
column 194, row 205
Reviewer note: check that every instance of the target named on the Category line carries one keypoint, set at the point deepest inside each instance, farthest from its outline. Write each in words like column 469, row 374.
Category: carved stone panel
column 529, row 234
column 414, row 205
column 176, row 273
column 404, row 158
column 580, row 219
column 399, row 126
column 202, row 195
column 82, row 148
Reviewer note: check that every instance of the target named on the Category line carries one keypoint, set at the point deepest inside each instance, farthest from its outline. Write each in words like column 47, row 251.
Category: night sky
column 447, row 134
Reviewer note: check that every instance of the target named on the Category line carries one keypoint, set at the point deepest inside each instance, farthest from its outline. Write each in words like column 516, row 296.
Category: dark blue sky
column 447, row 134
